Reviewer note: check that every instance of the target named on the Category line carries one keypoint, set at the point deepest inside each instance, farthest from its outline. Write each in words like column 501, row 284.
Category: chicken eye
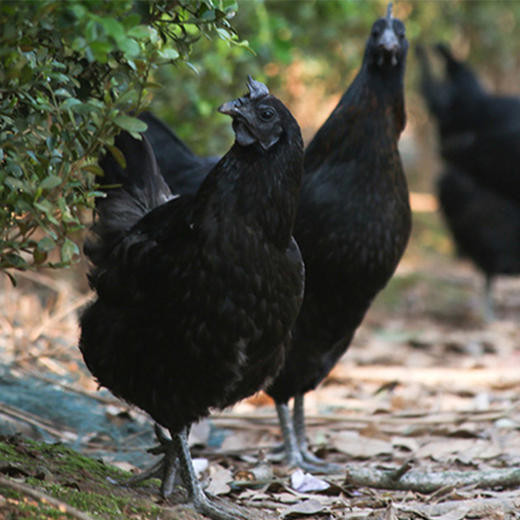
column 266, row 114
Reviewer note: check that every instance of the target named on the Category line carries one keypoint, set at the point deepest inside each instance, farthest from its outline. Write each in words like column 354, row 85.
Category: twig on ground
column 472, row 507
column 424, row 482
column 399, row 472
column 58, row 316
column 429, row 417
column 429, row 376
column 39, row 495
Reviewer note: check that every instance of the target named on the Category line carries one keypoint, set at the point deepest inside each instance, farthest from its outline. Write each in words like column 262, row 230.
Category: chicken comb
column 389, row 15
column 256, row 88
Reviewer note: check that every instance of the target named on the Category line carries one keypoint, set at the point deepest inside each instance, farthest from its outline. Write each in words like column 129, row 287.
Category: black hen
column 485, row 224
column 479, row 132
column 196, row 295
column 353, row 221
column 352, row 225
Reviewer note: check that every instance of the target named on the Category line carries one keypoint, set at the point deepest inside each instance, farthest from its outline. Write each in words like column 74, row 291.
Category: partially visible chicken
column 485, row 224
column 479, row 133
column 196, row 295
column 352, row 226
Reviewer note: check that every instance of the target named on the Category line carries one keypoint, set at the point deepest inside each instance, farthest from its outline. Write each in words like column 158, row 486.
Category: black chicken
column 353, row 222
column 485, row 224
column 479, row 132
column 196, row 295
column 352, row 225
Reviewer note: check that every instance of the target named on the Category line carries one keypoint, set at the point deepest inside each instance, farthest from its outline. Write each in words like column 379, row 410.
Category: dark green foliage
column 71, row 76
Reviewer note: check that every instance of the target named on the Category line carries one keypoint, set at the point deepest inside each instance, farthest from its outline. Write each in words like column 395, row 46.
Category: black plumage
column 479, row 132
column 196, row 294
column 353, row 223
column 485, row 225
column 183, row 169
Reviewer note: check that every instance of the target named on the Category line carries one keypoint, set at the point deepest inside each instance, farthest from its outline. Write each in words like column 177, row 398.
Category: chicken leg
column 299, row 430
column 291, row 445
column 201, row 502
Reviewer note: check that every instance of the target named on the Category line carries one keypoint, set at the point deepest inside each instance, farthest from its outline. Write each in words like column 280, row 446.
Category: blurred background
column 307, row 52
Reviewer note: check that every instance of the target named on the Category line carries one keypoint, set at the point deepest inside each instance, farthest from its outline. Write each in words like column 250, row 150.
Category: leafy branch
column 72, row 75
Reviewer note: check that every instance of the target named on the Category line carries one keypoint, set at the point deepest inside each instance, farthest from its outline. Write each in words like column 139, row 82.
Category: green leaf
column 46, row 244
column 169, row 54
column 129, row 46
column 94, row 168
column 14, row 183
column 208, row 16
column 118, row 155
column 140, row 32
column 130, row 124
column 39, row 256
column 224, row 34
column 11, row 278
column 69, row 103
column 68, row 250
column 152, row 85
column 131, row 20
column 113, row 28
column 100, row 50
column 50, row 182
column 62, row 92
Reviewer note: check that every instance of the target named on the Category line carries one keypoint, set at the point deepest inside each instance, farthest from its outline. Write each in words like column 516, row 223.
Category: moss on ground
column 86, row 484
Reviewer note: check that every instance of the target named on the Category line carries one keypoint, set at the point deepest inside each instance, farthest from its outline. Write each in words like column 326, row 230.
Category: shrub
column 72, row 75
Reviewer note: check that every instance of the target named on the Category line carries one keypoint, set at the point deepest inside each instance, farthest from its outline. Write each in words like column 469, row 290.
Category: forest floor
column 423, row 412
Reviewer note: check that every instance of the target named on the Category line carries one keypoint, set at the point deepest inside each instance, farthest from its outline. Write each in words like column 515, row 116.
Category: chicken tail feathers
column 131, row 192
column 170, row 151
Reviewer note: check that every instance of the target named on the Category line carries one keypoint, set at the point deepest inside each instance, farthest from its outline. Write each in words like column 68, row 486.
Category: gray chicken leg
column 299, row 430
column 196, row 495
column 291, row 446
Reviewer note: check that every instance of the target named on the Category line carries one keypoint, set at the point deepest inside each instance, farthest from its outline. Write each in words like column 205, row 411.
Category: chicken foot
column 299, row 430
column 165, row 469
column 200, row 501
column 296, row 452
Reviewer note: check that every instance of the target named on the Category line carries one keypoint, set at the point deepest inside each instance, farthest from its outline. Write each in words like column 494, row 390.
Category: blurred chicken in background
column 479, row 138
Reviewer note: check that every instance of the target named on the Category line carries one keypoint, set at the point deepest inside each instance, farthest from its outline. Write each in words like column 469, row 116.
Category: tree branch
column 473, row 507
column 424, row 482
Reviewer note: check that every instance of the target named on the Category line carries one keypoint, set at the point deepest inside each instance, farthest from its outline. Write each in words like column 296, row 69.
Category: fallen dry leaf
column 465, row 450
column 306, row 483
column 358, row 446
column 458, row 513
column 219, row 480
column 308, row 507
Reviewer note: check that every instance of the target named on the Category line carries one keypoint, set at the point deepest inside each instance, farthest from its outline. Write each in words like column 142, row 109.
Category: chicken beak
column 390, row 44
column 389, row 41
column 231, row 108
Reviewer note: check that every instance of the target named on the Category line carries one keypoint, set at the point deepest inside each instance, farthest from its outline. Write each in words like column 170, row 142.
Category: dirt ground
column 423, row 411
